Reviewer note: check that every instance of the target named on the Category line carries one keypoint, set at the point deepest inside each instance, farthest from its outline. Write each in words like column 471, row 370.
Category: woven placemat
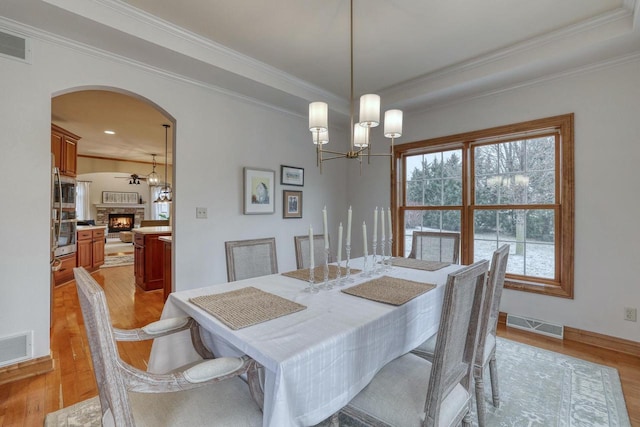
column 318, row 273
column 419, row 264
column 245, row 307
column 389, row 290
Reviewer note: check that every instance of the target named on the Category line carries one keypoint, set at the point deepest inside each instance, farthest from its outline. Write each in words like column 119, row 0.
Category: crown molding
column 121, row 16
column 36, row 33
column 593, row 67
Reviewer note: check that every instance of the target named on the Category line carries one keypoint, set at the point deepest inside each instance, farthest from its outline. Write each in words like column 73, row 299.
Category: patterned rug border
column 117, row 260
column 580, row 412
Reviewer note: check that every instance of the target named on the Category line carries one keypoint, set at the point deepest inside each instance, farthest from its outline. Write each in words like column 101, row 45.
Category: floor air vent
column 16, row 348
column 537, row 326
column 14, row 46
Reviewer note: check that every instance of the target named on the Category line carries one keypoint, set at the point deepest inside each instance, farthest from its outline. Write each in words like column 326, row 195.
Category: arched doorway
column 116, row 165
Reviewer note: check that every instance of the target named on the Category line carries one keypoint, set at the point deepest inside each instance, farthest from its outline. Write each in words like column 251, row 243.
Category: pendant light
column 165, row 195
column 153, row 178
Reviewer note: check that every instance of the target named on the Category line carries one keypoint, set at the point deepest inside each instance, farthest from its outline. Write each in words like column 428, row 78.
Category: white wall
column 606, row 104
column 216, row 136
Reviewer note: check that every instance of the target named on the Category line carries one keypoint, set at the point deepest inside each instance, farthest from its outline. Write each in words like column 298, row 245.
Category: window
column 511, row 184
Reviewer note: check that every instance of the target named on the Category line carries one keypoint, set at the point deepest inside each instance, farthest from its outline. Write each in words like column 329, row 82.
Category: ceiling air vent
column 14, row 46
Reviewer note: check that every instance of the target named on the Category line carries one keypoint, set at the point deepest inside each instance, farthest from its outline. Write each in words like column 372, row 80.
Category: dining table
column 318, row 358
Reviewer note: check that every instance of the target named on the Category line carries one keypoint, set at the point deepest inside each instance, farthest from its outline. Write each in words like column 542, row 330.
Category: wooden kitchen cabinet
column 64, row 146
column 148, row 262
column 65, row 272
column 90, row 254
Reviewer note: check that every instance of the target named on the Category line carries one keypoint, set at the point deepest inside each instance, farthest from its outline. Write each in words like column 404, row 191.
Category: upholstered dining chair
column 486, row 352
column 396, row 395
column 303, row 253
column 210, row 391
column 251, row 258
column 436, row 246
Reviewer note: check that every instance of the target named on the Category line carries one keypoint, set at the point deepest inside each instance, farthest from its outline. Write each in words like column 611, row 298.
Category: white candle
column 364, row 238
column 326, row 231
column 382, row 224
column 375, row 224
column 340, row 243
column 349, row 227
column 311, row 258
column 390, row 226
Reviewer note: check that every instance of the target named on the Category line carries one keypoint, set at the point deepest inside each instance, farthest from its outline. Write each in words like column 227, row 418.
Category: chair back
column 457, row 336
column 492, row 296
column 303, row 255
column 251, row 258
column 107, row 364
column 436, row 246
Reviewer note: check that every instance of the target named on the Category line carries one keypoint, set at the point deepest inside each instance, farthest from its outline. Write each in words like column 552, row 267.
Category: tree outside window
column 512, row 184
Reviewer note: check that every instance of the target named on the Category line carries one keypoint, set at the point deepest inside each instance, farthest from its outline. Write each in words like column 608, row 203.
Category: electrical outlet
column 201, row 213
column 630, row 314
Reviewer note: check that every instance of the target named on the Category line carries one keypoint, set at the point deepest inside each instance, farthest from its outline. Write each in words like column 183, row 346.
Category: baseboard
column 603, row 341
column 595, row 339
column 22, row 370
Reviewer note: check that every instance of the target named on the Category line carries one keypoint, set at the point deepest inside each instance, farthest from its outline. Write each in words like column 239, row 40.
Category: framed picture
column 259, row 194
column 290, row 175
column 123, row 198
column 291, row 204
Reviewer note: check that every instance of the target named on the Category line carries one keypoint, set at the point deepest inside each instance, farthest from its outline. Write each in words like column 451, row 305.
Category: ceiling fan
column 153, row 178
column 134, row 178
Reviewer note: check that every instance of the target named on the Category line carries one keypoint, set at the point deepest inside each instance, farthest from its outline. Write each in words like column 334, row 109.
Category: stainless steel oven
column 63, row 214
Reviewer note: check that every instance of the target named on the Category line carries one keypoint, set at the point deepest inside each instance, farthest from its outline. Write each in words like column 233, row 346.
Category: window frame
column 563, row 127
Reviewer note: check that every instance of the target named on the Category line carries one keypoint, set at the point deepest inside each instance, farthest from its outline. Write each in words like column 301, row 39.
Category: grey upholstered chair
column 198, row 394
column 486, row 352
column 436, row 246
column 303, row 253
column 251, row 258
column 396, row 395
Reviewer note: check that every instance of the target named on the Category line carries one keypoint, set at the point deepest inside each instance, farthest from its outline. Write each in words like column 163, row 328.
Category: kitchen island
column 149, row 256
column 166, row 241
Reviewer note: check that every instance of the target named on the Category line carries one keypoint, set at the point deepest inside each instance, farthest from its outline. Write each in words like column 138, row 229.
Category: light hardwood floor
column 26, row 402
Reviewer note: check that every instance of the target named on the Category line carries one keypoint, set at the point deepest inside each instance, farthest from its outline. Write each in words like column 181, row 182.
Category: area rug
column 117, row 260
column 538, row 388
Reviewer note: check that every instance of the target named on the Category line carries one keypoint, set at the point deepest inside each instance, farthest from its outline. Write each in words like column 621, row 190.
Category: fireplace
column 120, row 222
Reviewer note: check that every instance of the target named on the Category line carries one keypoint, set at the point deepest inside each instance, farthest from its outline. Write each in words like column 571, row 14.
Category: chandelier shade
column 360, row 136
column 321, row 136
column 318, row 116
column 369, row 115
column 370, row 110
column 393, row 124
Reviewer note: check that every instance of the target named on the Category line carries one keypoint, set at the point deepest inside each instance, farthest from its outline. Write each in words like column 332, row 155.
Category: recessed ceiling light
column 110, row 132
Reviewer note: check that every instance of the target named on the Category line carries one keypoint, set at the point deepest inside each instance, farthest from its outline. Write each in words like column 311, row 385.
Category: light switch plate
column 201, row 213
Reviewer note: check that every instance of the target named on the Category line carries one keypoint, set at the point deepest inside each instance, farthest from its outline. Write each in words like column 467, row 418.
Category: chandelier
column 165, row 194
column 360, row 131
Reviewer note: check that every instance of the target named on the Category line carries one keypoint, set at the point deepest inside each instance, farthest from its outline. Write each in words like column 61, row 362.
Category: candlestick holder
column 366, row 270
column 348, row 278
column 326, row 283
column 339, row 281
column 389, row 260
column 311, row 287
column 383, row 260
column 374, row 261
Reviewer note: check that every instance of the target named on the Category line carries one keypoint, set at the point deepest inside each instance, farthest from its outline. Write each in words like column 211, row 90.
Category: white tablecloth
column 318, row 359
